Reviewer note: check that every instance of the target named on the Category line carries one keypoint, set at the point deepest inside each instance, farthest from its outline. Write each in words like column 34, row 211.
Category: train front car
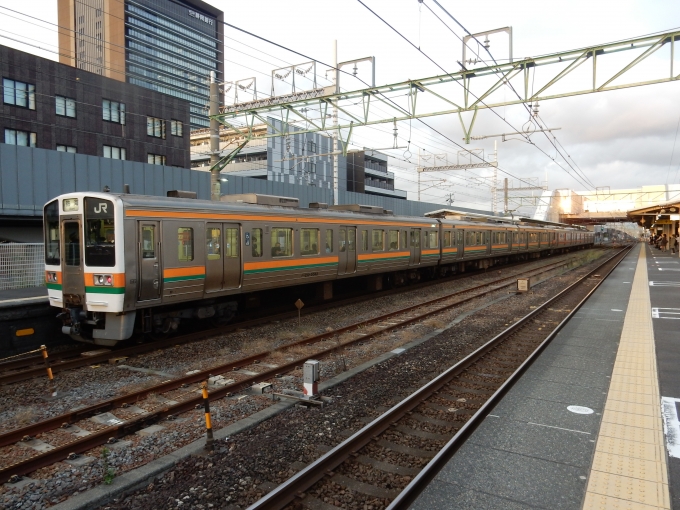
column 85, row 266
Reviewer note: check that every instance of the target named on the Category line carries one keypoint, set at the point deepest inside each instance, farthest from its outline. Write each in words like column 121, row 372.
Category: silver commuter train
column 119, row 262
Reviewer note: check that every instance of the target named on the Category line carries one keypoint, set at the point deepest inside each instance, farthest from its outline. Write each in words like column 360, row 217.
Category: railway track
column 415, row 428
column 32, row 366
column 179, row 395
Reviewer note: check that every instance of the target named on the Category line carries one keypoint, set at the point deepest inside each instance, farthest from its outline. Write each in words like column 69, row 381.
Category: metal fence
column 22, row 265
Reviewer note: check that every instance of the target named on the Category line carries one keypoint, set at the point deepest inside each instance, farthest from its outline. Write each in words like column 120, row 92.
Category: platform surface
column 21, row 297
column 533, row 452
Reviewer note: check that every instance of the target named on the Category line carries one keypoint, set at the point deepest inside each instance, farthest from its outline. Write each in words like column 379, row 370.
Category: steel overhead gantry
column 469, row 90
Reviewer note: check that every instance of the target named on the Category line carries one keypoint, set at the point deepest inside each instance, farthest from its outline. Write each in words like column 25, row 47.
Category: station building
column 168, row 47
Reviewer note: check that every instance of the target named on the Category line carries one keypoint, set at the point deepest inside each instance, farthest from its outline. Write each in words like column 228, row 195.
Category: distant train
column 116, row 264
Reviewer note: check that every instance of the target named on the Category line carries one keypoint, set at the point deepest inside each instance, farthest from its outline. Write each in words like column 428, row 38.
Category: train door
column 460, row 244
column 347, row 250
column 149, row 261
column 415, row 247
column 72, row 267
column 223, row 257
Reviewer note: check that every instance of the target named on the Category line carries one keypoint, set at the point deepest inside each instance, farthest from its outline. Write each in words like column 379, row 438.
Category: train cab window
column 309, row 241
column 72, row 243
column 403, row 239
column 99, row 233
column 52, row 234
column 256, row 240
column 231, row 242
column 282, row 242
column 329, row 241
column 185, row 244
column 212, row 243
column 378, row 240
column 364, row 240
column 393, row 240
column 148, row 242
column 447, row 238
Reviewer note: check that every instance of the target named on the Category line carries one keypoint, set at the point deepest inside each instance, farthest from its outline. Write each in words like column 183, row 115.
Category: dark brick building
column 50, row 105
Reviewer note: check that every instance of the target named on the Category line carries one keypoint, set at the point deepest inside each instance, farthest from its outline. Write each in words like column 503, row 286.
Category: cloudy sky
column 620, row 139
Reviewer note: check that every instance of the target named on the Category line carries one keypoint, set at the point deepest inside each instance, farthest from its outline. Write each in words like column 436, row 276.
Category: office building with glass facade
column 169, row 46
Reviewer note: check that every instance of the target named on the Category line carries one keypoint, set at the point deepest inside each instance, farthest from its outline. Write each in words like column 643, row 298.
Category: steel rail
column 60, row 364
column 287, row 492
column 117, row 402
column 80, row 445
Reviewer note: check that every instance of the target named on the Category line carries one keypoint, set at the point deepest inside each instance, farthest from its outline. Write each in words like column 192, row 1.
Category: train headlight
column 103, row 280
column 51, row 277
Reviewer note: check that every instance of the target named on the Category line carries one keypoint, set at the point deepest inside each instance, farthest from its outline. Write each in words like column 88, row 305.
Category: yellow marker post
column 208, row 423
column 50, row 376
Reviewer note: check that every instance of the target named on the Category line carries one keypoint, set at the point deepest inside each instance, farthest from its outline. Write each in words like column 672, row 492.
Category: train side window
column 432, row 240
column 212, row 243
column 404, row 240
column 329, row 241
column 148, row 242
column 459, row 236
column 415, row 239
column 185, row 244
column 447, row 239
column 282, row 242
column 378, row 240
column 342, row 242
column 309, row 241
column 469, row 238
column 256, row 240
column 364, row 240
column 394, row 240
column 231, row 239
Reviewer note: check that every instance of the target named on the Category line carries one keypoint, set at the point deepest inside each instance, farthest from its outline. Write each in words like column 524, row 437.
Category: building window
column 114, row 152
column 311, row 147
column 156, row 159
column 311, row 168
column 113, row 111
column 66, row 148
column 16, row 137
column 98, row 25
column 19, row 93
column 98, row 12
column 66, row 107
column 176, row 128
column 155, row 127
column 81, row 19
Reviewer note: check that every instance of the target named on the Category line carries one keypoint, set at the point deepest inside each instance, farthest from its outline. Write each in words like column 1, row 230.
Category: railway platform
column 22, row 297
column 26, row 321
column 593, row 422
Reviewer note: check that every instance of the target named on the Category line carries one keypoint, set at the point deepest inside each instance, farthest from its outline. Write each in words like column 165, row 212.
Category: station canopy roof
column 656, row 215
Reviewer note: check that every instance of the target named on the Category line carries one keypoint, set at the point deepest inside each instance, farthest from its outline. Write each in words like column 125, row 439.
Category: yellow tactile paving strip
column 629, row 467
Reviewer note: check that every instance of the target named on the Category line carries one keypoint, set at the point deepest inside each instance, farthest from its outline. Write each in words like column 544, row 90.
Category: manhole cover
column 580, row 410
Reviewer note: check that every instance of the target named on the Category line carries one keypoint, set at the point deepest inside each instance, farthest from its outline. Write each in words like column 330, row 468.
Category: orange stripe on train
column 184, row 271
column 289, row 262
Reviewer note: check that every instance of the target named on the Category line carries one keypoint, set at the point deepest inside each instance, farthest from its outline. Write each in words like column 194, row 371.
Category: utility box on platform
column 523, row 284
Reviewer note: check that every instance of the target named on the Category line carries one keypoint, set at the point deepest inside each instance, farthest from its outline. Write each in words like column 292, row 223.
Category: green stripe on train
column 184, row 278
column 54, row 286
column 288, row 268
column 105, row 290
column 384, row 259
